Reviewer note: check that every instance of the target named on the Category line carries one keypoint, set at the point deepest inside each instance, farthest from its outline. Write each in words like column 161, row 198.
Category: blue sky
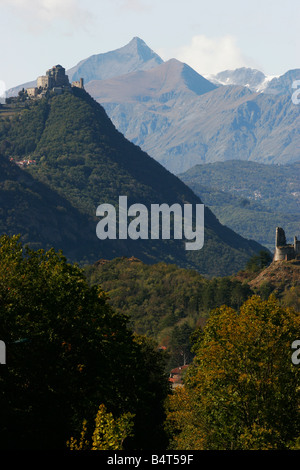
column 210, row 36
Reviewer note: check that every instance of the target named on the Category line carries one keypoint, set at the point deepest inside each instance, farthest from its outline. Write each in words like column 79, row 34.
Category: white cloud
column 212, row 55
column 41, row 13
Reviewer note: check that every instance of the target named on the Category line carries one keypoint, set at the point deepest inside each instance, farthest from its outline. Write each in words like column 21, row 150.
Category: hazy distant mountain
column 136, row 55
column 283, row 84
column 251, row 78
column 257, row 81
column 162, row 84
column 180, row 127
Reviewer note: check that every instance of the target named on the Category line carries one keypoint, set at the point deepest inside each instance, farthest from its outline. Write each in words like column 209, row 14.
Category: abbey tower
column 55, row 80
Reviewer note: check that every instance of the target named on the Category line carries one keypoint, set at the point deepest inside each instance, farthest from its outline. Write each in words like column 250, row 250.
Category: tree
column 180, row 345
column 22, row 95
column 67, row 351
column 148, row 388
column 109, row 433
column 242, row 390
column 258, row 262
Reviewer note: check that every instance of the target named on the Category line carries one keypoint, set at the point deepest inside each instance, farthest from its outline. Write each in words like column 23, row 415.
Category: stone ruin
column 284, row 251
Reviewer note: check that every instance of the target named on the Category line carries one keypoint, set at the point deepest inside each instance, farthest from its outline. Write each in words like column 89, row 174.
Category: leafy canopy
column 242, row 391
column 67, row 353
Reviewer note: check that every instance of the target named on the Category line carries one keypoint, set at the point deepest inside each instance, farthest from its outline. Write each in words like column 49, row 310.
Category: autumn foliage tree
column 242, row 391
column 109, row 433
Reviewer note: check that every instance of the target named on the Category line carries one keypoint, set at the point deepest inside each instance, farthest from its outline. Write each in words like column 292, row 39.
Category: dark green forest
column 164, row 301
column 68, row 352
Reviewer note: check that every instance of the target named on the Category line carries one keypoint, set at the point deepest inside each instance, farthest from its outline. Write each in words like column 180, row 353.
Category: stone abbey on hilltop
column 283, row 251
column 55, row 80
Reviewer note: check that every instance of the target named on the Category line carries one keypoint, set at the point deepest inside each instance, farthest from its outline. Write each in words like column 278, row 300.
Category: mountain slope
column 226, row 123
column 283, row 84
column 162, row 83
column 82, row 156
column 162, row 295
column 243, row 76
column 42, row 217
column 249, row 197
column 275, row 186
column 280, row 275
column 136, row 55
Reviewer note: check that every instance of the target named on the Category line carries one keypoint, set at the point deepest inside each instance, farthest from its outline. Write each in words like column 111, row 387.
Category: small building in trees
column 176, row 376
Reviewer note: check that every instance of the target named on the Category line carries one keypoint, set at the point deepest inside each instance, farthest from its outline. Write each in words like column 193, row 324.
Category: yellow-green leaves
column 109, row 433
column 242, row 391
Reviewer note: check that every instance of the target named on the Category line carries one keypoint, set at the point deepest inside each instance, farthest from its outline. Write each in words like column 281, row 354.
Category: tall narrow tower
column 284, row 251
column 280, row 239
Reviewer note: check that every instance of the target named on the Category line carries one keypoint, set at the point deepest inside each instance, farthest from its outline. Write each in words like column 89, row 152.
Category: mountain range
column 182, row 128
column 257, row 81
column 181, row 118
column 136, row 55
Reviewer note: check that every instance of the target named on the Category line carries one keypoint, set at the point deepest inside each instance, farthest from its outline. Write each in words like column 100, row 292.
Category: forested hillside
column 160, row 296
column 81, row 156
column 43, row 217
column 165, row 302
column 249, row 197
